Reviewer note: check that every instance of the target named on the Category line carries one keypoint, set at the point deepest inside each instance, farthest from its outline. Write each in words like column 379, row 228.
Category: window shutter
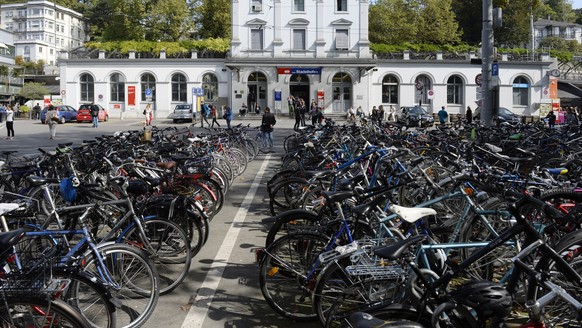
column 341, row 40
column 299, row 39
column 256, row 39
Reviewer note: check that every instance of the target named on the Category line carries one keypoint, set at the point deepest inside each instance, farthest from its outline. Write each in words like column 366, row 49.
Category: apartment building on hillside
column 42, row 29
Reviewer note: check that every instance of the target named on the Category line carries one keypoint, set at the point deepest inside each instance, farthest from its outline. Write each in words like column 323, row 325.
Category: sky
column 576, row 4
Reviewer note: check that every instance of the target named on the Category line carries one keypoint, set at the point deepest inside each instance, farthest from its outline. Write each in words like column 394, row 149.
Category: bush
column 24, row 109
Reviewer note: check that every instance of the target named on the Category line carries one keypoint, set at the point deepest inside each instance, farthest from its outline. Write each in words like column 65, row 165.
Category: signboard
column 131, row 95
column 148, row 94
column 495, row 69
column 47, row 101
column 63, row 92
column 430, row 94
column 320, row 98
column 553, row 88
column 278, row 98
column 479, row 79
column 197, row 91
column 299, row 70
column 545, row 107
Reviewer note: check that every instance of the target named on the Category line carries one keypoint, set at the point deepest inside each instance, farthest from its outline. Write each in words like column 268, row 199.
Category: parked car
column 414, row 116
column 66, row 114
column 84, row 113
column 504, row 115
column 182, row 112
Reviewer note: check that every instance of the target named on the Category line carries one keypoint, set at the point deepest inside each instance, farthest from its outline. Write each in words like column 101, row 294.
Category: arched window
column 390, row 90
column 87, row 88
column 455, row 89
column 210, row 86
column 520, row 91
column 422, row 84
column 179, row 91
column 27, row 50
column 148, row 81
column 117, row 87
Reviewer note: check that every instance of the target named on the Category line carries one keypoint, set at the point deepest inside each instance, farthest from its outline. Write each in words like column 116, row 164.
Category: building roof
column 549, row 22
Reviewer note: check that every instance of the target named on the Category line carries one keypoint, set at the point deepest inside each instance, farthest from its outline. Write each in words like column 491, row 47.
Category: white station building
column 309, row 49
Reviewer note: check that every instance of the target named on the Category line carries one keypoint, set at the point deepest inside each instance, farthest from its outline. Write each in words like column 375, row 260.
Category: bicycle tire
column 358, row 298
column 89, row 296
column 283, row 272
column 287, row 194
column 288, row 222
column 170, row 250
column 558, row 313
column 39, row 312
column 135, row 282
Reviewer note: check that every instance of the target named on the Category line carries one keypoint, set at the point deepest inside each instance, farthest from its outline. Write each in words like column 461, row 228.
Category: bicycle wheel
column 360, row 296
column 287, row 272
column 169, row 248
column 287, row 194
column 288, row 222
column 494, row 265
column 133, row 281
column 559, row 313
column 39, row 312
column 88, row 295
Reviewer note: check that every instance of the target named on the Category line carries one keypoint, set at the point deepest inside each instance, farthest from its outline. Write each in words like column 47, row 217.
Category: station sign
column 299, row 70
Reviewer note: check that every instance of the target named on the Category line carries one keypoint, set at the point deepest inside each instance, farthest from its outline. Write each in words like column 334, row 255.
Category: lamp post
column 487, row 54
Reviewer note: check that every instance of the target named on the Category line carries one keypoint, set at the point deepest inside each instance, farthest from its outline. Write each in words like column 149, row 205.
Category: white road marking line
column 199, row 309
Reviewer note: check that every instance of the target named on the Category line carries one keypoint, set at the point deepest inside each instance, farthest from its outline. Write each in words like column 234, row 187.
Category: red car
column 84, row 113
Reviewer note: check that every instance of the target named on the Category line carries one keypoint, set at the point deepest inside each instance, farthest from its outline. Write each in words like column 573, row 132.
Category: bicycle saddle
column 350, row 184
column 337, row 196
column 10, row 238
column 411, row 214
column 365, row 320
column 7, row 207
column 39, row 181
column 396, row 250
column 364, row 209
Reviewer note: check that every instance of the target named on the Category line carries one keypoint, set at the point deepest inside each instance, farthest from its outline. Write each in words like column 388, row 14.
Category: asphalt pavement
column 222, row 288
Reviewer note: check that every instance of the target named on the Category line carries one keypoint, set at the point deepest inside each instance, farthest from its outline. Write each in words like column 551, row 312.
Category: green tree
column 562, row 9
column 469, row 16
column 515, row 31
column 126, row 20
column 393, row 21
column 33, row 90
column 212, row 18
column 168, row 20
column 437, row 23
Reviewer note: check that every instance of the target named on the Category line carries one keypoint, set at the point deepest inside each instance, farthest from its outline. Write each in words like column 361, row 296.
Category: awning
column 570, row 88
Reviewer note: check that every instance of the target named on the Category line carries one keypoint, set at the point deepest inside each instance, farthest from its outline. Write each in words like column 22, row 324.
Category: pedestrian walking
column 469, row 115
column 148, row 114
column 204, row 112
column 95, row 115
column 52, row 119
column 228, row 116
column 213, row 113
column 303, row 112
column 36, row 111
column 551, row 119
column 381, row 114
column 297, row 119
column 391, row 113
column 570, row 119
column 313, row 112
column 443, row 115
column 9, row 123
column 267, row 126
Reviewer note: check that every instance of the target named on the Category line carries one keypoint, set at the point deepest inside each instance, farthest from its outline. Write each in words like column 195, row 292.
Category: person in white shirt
column 10, row 123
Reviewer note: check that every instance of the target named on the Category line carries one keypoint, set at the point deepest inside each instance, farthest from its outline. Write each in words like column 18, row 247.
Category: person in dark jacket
column 469, row 115
column 267, row 124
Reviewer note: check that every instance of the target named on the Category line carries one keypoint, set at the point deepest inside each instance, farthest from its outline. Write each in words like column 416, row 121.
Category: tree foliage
column 414, row 21
column 213, row 18
column 33, row 90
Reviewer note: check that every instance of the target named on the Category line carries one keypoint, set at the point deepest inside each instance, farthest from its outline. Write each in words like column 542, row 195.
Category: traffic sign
column 148, row 92
column 495, row 69
column 430, row 94
column 419, row 85
column 479, row 79
column 63, row 92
